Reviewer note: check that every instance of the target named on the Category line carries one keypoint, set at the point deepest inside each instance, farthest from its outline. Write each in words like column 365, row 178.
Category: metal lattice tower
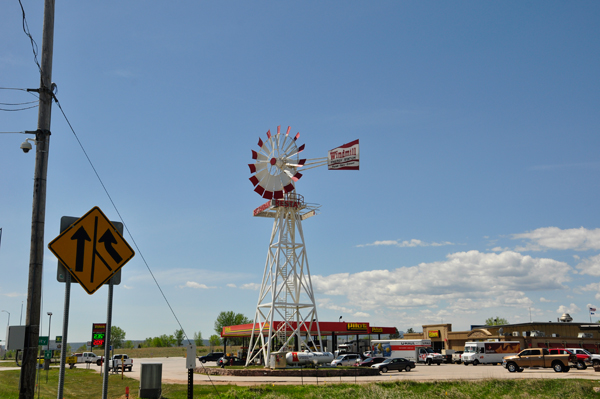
column 286, row 309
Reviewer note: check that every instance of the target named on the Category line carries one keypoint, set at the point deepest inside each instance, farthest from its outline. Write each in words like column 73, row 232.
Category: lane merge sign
column 92, row 249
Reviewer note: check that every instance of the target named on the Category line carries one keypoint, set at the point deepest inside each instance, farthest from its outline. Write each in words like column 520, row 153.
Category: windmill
column 286, row 311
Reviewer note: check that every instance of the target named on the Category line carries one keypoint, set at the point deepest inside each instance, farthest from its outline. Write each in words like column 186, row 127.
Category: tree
column 395, row 335
column 410, row 330
column 198, row 339
column 495, row 321
column 117, row 336
column 230, row 319
column 178, row 337
column 214, row 340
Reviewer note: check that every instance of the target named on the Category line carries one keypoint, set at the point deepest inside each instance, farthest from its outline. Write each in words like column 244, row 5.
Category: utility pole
column 36, row 253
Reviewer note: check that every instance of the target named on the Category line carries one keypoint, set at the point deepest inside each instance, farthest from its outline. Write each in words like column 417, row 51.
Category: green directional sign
column 59, row 339
column 47, row 355
column 43, row 341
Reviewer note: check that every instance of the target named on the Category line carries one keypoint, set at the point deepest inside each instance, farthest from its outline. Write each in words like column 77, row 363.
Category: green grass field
column 87, row 384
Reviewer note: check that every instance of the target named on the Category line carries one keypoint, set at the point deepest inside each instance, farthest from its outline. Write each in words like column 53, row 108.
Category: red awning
column 542, row 345
column 556, row 345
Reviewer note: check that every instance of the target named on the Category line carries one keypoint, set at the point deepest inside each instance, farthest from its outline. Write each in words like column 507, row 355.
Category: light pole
column 49, row 323
column 7, row 324
column 48, row 360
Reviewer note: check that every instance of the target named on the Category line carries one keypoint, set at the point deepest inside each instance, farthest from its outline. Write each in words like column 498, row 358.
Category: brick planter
column 292, row 372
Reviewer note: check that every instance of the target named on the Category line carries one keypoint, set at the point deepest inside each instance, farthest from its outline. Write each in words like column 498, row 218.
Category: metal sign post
column 63, row 349
column 107, row 341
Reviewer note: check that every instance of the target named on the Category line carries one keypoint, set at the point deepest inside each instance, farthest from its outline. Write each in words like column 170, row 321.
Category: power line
column 19, row 109
column 34, row 45
column 125, row 226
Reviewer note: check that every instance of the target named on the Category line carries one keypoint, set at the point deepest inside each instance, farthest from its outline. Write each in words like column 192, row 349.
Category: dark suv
column 211, row 357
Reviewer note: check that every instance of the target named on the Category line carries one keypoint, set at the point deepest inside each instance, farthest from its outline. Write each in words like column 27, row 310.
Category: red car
column 582, row 358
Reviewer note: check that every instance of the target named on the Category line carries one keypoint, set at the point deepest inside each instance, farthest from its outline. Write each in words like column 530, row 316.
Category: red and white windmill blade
column 277, row 162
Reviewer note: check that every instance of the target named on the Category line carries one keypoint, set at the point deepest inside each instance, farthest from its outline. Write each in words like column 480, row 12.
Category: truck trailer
column 489, row 352
column 417, row 350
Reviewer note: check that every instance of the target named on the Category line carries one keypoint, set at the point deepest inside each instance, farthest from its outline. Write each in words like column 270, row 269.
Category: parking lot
column 174, row 372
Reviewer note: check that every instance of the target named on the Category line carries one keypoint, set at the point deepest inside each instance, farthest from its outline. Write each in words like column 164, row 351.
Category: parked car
column 583, row 357
column 211, row 357
column 230, row 361
column 347, row 359
column 594, row 358
column 368, row 362
column 398, row 363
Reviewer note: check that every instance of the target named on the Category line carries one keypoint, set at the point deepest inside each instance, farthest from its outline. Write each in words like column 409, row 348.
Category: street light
column 49, row 323
column 7, row 324
column 48, row 364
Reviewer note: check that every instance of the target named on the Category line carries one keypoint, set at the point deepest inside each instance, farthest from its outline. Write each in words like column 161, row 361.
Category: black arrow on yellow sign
column 81, row 236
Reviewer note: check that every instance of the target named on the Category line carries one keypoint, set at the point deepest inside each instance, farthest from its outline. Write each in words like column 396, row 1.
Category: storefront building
column 529, row 335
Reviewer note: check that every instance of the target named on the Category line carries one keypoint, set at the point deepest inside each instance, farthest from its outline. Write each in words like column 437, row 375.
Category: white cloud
column 590, row 266
column 544, row 238
column 405, row 244
column 326, row 303
column 593, row 287
column 127, row 287
column 544, row 300
column 571, row 309
column 177, row 276
column 193, row 284
column 11, row 294
column 464, row 282
column 250, row 286
column 230, row 285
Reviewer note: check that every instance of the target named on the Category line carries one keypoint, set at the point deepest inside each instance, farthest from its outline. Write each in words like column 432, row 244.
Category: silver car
column 347, row 359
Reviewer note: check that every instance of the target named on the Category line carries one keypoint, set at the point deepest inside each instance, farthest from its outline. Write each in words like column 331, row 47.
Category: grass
column 87, row 384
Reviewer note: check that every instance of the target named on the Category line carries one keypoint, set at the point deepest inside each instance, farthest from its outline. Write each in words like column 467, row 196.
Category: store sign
column 357, row 326
column 98, row 334
column 434, row 334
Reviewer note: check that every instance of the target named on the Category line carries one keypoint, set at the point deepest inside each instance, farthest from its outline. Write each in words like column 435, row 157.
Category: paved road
column 174, row 372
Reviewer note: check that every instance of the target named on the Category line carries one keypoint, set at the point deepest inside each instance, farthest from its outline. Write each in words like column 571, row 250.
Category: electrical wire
column 28, row 102
column 34, row 45
column 127, row 228
column 19, row 109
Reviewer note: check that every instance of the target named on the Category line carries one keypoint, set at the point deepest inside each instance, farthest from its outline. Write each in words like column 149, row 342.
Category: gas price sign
column 98, row 334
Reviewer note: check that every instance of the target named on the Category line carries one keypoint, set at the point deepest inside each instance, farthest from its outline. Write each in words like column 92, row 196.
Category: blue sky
column 478, row 125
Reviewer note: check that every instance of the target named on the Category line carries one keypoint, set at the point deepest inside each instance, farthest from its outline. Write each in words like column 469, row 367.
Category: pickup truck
column 85, row 357
column 539, row 357
column 456, row 357
column 119, row 362
column 592, row 359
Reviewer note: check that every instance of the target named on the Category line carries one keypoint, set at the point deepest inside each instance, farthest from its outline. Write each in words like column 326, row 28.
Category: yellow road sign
column 92, row 250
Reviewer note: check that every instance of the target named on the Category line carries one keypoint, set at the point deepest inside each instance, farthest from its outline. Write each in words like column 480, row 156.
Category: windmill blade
column 276, row 162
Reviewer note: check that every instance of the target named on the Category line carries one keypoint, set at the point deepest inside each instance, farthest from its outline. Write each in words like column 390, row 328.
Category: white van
column 489, row 352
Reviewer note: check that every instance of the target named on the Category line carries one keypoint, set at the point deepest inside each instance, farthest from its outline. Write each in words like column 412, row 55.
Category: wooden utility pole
column 36, row 253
